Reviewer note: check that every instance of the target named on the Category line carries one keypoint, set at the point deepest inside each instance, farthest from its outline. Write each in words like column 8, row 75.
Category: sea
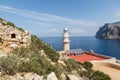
column 100, row 46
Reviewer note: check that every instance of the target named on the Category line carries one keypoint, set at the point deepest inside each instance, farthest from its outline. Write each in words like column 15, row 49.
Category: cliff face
column 109, row 31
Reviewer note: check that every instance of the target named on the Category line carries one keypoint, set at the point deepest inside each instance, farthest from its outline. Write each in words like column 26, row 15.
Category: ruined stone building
column 11, row 36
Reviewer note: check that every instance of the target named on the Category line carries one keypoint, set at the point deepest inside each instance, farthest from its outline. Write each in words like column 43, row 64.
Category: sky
column 48, row 18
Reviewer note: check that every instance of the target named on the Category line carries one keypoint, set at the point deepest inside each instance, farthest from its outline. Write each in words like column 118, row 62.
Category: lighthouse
column 66, row 41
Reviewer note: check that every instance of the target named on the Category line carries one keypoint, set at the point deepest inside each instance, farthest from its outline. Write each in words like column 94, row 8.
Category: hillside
column 37, row 60
column 109, row 31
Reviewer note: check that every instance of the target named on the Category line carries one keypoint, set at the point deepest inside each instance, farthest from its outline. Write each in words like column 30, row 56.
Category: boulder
column 22, row 78
column 29, row 76
column 73, row 77
column 12, row 78
column 38, row 77
column 52, row 76
column 63, row 76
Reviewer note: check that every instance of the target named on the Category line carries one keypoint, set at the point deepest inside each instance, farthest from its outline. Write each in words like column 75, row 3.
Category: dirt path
column 112, row 72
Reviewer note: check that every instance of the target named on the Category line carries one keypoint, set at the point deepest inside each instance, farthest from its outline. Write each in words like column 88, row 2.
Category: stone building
column 11, row 36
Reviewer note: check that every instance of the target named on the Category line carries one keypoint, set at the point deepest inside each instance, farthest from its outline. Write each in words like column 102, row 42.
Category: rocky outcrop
column 64, row 77
column 38, row 77
column 109, row 31
column 35, row 76
column 52, row 76
column 73, row 77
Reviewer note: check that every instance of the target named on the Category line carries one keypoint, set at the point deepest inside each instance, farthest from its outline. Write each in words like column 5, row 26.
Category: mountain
column 109, row 31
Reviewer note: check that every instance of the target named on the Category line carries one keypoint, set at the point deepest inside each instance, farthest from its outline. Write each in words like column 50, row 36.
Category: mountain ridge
column 109, row 31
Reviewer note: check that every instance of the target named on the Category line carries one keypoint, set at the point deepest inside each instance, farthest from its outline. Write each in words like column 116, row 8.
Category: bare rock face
column 22, row 78
column 29, row 76
column 38, row 77
column 52, row 76
column 109, row 31
column 73, row 77
column 64, row 77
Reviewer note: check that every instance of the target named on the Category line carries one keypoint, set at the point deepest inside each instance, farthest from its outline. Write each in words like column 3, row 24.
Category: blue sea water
column 101, row 46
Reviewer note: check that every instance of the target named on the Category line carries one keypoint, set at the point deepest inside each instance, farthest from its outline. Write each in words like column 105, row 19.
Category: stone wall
column 107, row 63
column 14, row 37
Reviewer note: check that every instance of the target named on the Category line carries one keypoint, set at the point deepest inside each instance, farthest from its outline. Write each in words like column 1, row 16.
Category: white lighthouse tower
column 66, row 41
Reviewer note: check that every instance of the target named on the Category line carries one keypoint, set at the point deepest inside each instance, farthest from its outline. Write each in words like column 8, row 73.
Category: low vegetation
column 34, row 63
column 30, row 60
column 39, row 44
column 87, row 65
column 11, row 24
column 97, row 75
column 72, row 65
column 1, row 19
column 4, row 23
column 92, row 74
column 21, row 29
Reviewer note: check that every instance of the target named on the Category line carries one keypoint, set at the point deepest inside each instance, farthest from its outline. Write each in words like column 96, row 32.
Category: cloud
column 118, row 14
column 52, row 31
column 77, row 31
column 46, row 18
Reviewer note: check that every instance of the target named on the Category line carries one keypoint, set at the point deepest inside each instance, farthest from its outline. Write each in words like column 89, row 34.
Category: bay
column 101, row 46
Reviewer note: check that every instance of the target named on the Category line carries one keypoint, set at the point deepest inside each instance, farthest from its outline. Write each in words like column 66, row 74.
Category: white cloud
column 52, row 31
column 48, row 18
column 77, row 31
column 49, row 24
column 118, row 14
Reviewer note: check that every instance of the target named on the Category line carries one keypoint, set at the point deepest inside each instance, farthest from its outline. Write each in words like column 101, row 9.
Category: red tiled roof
column 86, row 57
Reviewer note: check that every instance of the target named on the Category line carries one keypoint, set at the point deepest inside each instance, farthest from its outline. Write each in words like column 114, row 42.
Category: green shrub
column 39, row 44
column 39, row 65
column 1, row 19
column 8, row 65
column 23, row 52
column 86, row 73
column 83, row 73
column 72, row 65
column 4, row 24
column 11, row 24
column 87, row 65
column 97, row 75
column 33, row 63
column 21, row 29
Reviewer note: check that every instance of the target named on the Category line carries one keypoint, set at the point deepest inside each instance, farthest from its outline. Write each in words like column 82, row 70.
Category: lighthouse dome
column 66, row 29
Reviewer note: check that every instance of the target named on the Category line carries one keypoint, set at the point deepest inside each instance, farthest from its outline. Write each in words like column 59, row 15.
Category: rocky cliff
column 109, row 31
